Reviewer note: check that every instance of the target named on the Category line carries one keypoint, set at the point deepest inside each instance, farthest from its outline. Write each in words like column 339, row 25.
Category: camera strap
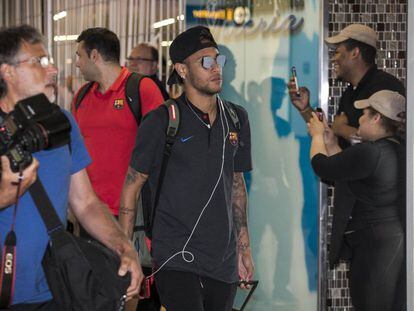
column 7, row 274
column 8, row 258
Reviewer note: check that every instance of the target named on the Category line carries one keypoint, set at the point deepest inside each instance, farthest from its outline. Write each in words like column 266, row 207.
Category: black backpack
column 149, row 206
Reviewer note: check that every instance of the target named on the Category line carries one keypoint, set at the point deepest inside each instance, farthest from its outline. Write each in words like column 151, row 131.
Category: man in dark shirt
column 354, row 62
column 200, row 239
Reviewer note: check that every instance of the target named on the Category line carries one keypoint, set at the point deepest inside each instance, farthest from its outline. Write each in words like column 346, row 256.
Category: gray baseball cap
column 357, row 32
column 389, row 103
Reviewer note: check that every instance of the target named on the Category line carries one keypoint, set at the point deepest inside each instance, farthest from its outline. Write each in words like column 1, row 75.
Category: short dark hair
column 104, row 41
column 368, row 52
column 11, row 39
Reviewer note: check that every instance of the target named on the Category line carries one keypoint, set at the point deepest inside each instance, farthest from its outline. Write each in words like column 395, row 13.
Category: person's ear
column 181, row 70
column 7, row 72
column 94, row 55
column 355, row 53
column 376, row 117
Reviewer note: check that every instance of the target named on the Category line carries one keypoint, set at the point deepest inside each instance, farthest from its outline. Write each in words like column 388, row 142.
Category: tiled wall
column 389, row 19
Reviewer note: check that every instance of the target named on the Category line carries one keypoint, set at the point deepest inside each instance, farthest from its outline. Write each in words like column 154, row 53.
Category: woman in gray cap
column 368, row 221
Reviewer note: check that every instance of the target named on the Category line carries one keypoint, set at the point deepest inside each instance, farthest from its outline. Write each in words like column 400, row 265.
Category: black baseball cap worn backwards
column 186, row 44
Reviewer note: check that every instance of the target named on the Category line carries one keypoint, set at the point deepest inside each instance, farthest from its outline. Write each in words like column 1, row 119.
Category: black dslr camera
column 34, row 124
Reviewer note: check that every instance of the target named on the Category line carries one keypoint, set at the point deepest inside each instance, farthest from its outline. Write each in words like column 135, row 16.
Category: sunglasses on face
column 207, row 61
column 43, row 61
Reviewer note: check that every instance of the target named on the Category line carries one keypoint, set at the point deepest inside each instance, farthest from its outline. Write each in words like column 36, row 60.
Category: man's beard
column 208, row 91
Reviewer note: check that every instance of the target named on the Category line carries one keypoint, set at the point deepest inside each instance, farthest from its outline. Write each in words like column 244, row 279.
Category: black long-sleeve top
column 374, row 173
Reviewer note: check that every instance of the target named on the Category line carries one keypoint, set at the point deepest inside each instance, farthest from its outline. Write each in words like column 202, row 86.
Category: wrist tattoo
column 125, row 210
column 243, row 246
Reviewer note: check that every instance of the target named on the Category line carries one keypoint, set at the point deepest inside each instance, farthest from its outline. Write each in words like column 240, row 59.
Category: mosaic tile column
column 389, row 19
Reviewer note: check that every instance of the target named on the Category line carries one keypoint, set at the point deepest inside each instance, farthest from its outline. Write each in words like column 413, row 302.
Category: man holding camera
column 26, row 70
column 200, row 238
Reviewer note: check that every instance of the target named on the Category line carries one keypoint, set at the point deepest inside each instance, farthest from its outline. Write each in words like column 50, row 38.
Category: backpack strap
column 172, row 129
column 132, row 95
column 173, row 122
column 231, row 109
column 81, row 95
column 82, row 92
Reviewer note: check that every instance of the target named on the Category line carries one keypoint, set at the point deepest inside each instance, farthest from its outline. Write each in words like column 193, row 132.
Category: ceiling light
column 164, row 22
column 59, row 15
column 166, row 43
column 65, row 38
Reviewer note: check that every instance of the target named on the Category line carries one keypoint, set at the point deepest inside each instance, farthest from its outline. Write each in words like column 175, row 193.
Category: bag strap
column 172, row 129
column 132, row 95
column 231, row 109
column 45, row 207
column 82, row 93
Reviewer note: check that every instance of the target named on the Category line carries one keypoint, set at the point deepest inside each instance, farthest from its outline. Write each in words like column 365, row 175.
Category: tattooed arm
column 130, row 193
column 239, row 201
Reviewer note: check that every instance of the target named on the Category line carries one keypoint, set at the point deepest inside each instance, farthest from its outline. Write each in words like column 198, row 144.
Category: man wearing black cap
column 200, row 239
column 353, row 62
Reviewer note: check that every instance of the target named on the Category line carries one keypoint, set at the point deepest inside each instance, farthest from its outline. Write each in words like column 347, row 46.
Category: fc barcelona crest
column 118, row 104
column 234, row 139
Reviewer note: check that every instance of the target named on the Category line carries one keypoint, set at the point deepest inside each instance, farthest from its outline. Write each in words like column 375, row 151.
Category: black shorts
column 185, row 291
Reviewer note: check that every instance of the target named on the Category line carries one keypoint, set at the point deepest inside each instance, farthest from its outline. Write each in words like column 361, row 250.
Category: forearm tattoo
column 239, row 203
column 131, row 176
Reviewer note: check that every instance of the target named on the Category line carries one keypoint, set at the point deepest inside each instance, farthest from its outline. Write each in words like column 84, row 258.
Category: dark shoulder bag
column 82, row 275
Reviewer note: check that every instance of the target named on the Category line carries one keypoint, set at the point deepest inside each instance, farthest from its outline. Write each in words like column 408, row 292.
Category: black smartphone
column 295, row 78
column 319, row 113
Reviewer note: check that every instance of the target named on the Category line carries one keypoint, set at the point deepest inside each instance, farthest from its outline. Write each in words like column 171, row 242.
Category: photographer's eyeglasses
column 207, row 61
column 43, row 61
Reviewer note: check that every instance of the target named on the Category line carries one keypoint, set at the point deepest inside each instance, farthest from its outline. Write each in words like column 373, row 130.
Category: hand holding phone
column 319, row 113
column 295, row 78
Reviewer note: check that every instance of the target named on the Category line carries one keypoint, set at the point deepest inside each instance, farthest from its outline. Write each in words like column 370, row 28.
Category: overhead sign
column 248, row 16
